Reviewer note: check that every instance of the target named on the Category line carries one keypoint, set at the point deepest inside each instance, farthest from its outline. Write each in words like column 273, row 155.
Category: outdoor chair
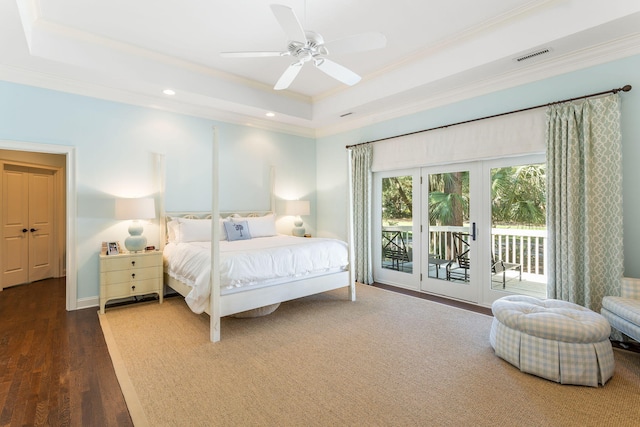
column 458, row 269
column 501, row 267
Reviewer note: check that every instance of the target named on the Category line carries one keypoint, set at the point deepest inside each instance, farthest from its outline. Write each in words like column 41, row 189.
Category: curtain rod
column 625, row 88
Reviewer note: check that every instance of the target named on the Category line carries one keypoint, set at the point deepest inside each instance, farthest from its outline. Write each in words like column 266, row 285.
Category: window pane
column 449, row 252
column 397, row 223
column 518, row 229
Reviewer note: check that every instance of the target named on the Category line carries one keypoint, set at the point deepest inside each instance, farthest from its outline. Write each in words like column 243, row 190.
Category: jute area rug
column 385, row 360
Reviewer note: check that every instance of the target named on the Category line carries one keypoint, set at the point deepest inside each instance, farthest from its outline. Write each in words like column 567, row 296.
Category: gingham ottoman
column 556, row 340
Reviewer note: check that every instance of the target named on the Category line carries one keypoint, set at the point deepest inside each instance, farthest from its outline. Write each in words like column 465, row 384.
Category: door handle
column 24, row 230
column 35, row 229
column 473, row 231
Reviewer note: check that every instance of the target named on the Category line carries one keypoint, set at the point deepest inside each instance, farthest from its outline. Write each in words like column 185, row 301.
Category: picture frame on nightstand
column 113, row 248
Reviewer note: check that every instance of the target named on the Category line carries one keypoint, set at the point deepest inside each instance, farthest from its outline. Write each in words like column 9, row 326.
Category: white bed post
column 214, row 278
column 272, row 189
column 162, row 188
column 352, row 278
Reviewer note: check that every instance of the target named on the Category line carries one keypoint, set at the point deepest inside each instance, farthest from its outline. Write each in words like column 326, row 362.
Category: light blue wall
column 116, row 145
column 331, row 153
column 116, row 148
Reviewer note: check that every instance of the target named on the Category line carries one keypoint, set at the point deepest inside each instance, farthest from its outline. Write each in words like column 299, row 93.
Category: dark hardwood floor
column 55, row 369
column 434, row 298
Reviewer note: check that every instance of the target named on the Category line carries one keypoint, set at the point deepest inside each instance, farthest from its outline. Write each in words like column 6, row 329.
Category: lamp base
column 298, row 230
column 136, row 242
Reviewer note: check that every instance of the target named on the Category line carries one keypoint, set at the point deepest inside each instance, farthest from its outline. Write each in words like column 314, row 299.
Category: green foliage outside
column 518, row 197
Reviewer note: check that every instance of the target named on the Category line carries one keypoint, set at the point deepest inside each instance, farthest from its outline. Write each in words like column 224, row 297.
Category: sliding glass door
column 470, row 231
column 518, row 237
column 449, row 213
column 396, row 228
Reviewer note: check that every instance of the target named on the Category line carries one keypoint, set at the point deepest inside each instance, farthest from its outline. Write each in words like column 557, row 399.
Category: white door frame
column 71, row 218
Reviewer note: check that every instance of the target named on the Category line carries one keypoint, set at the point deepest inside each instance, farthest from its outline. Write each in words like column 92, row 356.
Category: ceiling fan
column 305, row 46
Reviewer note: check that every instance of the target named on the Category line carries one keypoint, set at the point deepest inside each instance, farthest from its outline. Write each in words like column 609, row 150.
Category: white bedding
column 251, row 263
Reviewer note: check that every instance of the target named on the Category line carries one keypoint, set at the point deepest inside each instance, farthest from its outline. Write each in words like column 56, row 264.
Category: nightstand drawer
column 130, row 275
column 126, row 262
column 123, row 290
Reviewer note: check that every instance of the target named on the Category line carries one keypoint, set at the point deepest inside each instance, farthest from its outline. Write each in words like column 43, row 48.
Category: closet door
column 15, row 225
column 41, row 241
column 28, row 251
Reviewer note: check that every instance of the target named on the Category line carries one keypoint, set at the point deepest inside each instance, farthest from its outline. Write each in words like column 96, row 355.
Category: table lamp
column 297, row 208
column 135, row 209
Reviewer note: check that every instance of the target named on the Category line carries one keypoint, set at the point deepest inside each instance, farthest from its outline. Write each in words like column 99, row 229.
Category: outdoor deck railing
column 520, row 246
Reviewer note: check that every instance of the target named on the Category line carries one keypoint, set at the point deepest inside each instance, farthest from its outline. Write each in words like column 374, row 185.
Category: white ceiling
column 437, row 52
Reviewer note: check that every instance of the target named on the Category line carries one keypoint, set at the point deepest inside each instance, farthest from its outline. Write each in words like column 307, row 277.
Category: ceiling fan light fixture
column 304, row 46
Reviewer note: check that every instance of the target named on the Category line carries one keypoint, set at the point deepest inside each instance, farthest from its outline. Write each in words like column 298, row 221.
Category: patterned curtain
column 584, row 201
column 361, row 184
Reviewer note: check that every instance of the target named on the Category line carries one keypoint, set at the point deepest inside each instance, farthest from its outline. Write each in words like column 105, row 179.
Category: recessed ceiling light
column 270, row 114
column 169, row 92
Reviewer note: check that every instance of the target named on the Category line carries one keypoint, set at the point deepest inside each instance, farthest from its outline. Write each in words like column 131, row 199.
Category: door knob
column 33, row 229
column 24, row 230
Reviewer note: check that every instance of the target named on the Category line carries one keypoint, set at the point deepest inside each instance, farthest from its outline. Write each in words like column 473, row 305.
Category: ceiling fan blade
column 288, row 76
column 251, row 54
column 289, row 23
column 337, row 71
column 356, row 43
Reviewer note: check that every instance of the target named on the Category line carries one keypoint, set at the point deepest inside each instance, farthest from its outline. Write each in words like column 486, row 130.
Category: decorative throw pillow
column 237, row 230
column 260, row 226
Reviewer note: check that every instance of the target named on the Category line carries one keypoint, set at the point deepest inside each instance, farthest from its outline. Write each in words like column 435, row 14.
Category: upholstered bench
column 556, row 340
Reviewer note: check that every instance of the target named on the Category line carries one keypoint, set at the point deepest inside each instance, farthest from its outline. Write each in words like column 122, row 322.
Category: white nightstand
column 130, row 274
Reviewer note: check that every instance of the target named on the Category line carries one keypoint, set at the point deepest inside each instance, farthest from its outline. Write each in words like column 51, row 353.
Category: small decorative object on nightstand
column 297, row 208
column 131, row 274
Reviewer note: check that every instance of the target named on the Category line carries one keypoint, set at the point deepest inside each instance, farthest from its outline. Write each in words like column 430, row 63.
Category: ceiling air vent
column 533, row 54
column 346, row 114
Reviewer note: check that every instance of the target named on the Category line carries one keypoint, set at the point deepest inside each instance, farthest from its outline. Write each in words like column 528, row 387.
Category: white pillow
column 172, row 229
column 260, row 226
column 193, row 230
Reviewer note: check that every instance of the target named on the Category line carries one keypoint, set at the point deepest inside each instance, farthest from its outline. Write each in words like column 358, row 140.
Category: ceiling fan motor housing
column 312, row 47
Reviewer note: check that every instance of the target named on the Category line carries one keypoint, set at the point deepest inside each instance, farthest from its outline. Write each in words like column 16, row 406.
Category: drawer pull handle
column 133, row 263
column 133, row 275
column 133, row 288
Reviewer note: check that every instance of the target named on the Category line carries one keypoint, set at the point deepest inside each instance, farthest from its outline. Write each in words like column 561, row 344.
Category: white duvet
column 251, row 262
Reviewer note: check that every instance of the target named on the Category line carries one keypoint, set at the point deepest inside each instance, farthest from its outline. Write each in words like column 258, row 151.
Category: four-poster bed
column 221, row 294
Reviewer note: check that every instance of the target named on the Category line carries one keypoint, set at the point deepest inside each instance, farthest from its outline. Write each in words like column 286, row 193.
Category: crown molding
column 606, row 52
column 601, row 54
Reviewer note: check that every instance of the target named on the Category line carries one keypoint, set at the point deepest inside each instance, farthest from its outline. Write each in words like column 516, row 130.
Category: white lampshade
column 144, row 208
column 135, row 209
column 297, row 208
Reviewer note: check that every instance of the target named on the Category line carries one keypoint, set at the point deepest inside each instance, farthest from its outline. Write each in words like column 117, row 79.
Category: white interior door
column 15, row 225
column 28, row 213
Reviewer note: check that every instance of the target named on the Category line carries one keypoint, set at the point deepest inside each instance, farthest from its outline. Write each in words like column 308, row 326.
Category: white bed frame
column 237, row 302
column 250, row 299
